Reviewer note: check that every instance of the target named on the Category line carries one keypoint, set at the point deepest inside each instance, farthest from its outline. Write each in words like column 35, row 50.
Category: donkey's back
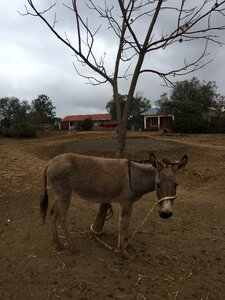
column 96, row 179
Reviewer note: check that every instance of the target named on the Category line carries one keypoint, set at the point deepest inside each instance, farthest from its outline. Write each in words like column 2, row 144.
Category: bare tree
column 186, row 22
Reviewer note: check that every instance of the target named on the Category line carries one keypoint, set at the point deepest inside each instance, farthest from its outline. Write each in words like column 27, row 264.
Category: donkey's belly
column 105, row 197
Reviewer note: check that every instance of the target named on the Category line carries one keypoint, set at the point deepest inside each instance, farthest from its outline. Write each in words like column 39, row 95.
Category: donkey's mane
column 144, row 161
column 165, row 161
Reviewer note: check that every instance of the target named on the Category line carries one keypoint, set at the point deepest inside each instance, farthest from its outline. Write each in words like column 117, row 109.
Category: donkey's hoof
column 94, row 231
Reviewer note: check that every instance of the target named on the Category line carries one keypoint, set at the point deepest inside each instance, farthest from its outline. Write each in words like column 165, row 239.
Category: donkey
column 106, row 180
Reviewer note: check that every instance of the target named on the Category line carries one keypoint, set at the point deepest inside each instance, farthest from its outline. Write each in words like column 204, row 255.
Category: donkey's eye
column 158, row 185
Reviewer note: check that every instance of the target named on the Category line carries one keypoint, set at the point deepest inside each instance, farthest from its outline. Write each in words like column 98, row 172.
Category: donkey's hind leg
column 59, row 213
column 104, row 210
column 63, row 205
column 55, row 236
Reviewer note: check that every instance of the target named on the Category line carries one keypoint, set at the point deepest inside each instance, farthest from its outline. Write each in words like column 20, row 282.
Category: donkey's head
column 166, row 183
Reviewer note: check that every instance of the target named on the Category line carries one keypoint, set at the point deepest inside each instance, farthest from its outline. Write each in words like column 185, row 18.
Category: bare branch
column 129, row 45
column 91, row 79
column 36, row 13
column 78, row 52
column 126, row 17
column 191, row 18
column 191, row 21
column 187, row 68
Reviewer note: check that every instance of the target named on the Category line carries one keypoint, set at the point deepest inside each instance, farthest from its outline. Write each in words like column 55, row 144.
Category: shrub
column 87, row 124
column 217, row 125
column 190, row 124
column 21, row 130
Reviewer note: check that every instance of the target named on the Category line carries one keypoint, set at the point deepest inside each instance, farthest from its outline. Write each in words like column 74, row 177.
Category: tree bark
column 121, row 140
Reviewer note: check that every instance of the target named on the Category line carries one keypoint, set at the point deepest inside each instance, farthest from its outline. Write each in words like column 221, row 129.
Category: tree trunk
column 122, row 118
column 122, row 123
column 121, row 141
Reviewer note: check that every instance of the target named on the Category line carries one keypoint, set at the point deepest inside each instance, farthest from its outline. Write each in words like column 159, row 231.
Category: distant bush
column 87, row 124
column 190, row 124
column 20, row 130
column 217, row 125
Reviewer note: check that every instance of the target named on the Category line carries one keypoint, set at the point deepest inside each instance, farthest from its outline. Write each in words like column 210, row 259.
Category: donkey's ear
column 182, row 163
column 154, row 161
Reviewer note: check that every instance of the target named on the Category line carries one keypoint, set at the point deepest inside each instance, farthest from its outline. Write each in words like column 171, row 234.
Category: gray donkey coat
column 106, row 180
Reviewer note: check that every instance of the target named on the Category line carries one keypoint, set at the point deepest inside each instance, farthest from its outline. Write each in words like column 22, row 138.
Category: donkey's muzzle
column 165, row 214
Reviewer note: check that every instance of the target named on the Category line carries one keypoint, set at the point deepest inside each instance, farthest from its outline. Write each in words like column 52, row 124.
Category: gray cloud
column 33, row 61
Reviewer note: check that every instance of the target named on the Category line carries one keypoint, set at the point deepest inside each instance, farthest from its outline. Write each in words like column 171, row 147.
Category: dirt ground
column 180, row 258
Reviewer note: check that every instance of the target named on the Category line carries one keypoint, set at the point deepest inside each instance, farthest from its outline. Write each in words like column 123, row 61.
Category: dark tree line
column 196, row 106
column 19, row 118
column 13, row 111
column 138, row 105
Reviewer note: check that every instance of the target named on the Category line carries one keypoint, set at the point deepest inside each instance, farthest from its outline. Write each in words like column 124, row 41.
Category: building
column 155, row 120
column 99, row 120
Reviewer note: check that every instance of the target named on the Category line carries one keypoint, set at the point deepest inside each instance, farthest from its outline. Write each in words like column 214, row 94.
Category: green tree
column 217, row 120
column 190, row 101
column 42, row 110
column 219, row 104
column 138, row 106
column 163, row 102
column 14, row 118
column 23, row 112
column 13, row 111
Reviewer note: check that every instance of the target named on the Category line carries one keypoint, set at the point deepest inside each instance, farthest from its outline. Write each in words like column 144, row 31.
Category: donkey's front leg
column 124, row 220
column 98, row 224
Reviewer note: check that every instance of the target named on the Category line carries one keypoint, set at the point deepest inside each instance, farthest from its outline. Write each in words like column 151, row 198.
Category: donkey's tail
column 44, row 197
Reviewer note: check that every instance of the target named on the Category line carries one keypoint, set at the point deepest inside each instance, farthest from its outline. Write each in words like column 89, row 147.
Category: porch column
column 144, row 122
column 159, row 122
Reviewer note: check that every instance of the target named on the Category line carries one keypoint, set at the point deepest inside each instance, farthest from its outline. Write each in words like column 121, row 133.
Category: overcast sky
column 33, row 62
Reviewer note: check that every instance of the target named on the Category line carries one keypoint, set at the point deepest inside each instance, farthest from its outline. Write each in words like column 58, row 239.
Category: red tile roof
column 95, row 117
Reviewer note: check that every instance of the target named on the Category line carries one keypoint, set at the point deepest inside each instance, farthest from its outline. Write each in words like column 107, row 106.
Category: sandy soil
column 180, row 258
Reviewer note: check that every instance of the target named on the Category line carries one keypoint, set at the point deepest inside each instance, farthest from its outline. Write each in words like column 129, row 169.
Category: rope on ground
column 132, row 236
